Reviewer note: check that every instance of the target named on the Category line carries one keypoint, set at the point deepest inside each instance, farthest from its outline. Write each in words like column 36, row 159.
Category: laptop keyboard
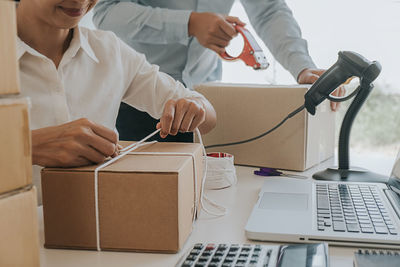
column 352, row 208
column 227, row 255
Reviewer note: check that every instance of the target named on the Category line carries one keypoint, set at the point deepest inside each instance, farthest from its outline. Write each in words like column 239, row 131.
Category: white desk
column 238, row 199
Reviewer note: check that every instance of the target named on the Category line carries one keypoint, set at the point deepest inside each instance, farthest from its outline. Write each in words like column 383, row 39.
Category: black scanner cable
column 299, row 109
column 263, row 134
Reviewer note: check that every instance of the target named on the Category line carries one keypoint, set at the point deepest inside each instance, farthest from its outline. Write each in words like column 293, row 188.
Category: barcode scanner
column 349, row 64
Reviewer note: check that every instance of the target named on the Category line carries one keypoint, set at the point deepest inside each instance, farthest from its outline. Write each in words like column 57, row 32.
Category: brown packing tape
column 26, row 131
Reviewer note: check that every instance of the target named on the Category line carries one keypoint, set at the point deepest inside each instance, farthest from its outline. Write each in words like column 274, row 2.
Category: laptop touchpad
column 284, row 201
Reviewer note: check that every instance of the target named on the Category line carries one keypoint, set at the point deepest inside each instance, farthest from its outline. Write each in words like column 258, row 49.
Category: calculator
column 251, row 255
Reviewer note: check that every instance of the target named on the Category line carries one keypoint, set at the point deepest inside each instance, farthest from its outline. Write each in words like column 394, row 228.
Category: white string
column 202, row 195
column 141, row 141
column 96, row 179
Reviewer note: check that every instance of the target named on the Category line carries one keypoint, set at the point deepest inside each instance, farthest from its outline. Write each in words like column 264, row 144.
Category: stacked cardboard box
column 19, row 241
column 9, row 81
column 248, row 110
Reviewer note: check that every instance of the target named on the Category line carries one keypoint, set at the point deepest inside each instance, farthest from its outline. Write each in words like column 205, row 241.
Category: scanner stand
column 350, row 175
column 344, row 172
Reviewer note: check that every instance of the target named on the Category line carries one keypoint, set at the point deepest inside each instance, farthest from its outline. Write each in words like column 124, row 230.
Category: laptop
column 340, row 213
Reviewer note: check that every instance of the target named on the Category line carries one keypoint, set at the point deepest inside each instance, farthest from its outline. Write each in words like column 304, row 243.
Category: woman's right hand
column 77, row 143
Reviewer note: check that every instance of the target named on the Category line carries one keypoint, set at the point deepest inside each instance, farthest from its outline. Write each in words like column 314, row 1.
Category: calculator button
column 206, row 253
column 229, row 259
column 210, row 247
column 216, row 259
column 191, row 257
column 187, row 263
column 203, row 259
column 198, row 246
column 219, row 253
column 195, row 252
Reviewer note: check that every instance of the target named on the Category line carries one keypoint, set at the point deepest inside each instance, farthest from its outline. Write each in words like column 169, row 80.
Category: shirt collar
column 84, row 43
column 79, row 40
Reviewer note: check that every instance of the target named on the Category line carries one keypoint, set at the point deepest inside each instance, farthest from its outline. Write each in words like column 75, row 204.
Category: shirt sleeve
column 145, row 24
column 148, row 89
column 275, row 24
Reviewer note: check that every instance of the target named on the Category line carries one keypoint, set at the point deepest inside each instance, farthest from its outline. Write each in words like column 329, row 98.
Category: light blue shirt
column 159, row 29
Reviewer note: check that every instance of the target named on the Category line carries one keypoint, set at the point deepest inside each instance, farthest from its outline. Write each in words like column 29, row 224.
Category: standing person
column 184, row 37
column 76, row 79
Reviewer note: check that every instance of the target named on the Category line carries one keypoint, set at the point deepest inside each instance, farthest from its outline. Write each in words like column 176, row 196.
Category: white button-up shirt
column 96, row 73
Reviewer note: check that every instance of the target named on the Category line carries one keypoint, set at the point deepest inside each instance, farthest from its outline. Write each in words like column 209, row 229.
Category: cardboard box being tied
column 9, row 77
column 19, row 234
column 15, row 143
column 247, row 110
column 146, row 201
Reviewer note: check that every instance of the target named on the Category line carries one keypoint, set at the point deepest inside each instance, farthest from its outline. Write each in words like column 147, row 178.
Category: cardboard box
column 15, row 143
column 9, row 76
column 19, row 234
column 146, row 202
column 245, row 111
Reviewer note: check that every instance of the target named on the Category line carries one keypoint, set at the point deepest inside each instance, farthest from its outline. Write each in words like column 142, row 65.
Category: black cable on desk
column 263, row 134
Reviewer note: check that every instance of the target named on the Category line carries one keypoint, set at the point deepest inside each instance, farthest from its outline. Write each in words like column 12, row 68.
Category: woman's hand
column 185, row 115
column 77, row 143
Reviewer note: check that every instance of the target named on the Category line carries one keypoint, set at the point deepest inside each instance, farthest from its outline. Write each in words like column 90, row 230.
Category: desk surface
column 239, row 200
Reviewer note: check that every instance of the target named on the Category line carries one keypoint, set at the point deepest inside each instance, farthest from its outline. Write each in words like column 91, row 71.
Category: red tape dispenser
column 252, row 54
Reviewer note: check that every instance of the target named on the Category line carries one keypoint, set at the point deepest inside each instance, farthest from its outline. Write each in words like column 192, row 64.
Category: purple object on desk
column 265, row 171
column 268, row 172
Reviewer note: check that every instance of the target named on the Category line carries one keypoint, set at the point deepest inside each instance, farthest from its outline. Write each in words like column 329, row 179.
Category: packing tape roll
column 221, row 172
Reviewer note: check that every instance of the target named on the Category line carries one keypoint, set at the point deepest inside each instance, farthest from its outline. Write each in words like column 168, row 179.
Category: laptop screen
column 394, row 181
column 396, row 168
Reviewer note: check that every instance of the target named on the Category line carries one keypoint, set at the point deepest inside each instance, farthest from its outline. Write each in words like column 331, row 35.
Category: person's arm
column 145, row 24
column 148, row 89
column 275, row 24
